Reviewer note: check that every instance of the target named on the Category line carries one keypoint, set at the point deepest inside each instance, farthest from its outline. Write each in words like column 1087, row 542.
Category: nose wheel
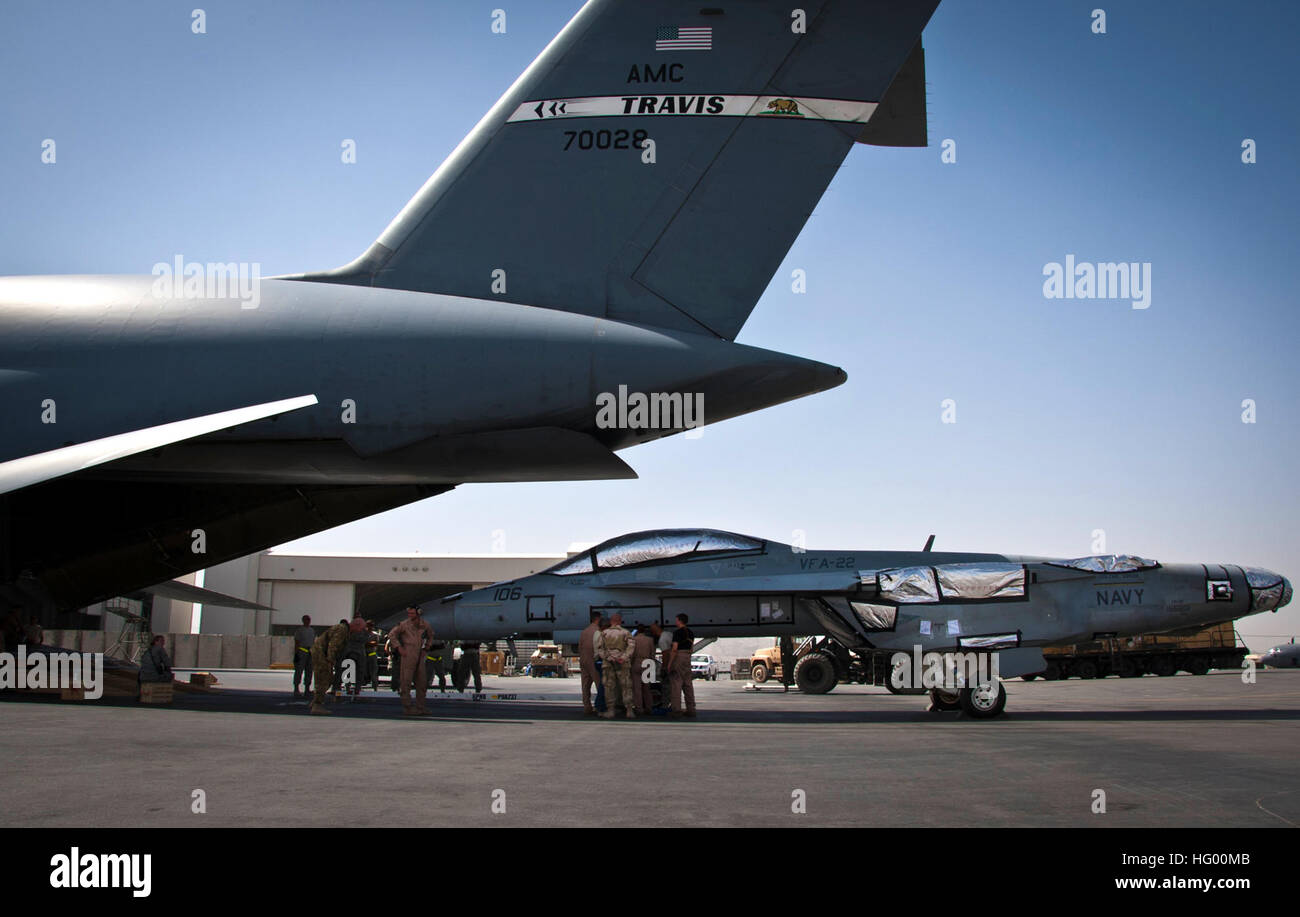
column 985, row 701
column 981, row 703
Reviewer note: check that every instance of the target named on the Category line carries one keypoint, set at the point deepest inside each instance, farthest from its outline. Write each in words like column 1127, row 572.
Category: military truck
column 820, row 663
column 1214, row 647
column 547, row 661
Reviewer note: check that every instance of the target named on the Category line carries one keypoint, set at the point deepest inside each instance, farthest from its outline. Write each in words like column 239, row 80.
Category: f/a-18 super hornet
column 1285, row 656
column 928, row 609
column 606, row 227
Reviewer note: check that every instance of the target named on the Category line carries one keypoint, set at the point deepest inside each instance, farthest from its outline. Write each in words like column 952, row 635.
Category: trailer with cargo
column 1213, row 647
column 820, row 663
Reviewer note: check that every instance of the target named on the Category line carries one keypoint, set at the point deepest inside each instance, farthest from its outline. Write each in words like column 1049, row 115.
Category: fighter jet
column 1285, row 656
column 937, row 608
column 601, row 235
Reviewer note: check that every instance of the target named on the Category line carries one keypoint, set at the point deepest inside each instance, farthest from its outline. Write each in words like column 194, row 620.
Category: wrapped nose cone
column 1269, row 591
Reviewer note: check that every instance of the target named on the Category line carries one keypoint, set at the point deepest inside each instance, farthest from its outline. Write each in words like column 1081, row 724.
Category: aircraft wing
column 785, row 584
column 33, row 469
column 184, row 592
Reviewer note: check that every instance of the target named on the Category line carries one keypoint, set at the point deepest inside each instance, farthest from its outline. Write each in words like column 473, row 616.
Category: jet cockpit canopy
column 658, row 545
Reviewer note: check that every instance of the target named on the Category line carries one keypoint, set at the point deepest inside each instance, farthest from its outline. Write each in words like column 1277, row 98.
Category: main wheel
column 758, row 672
column 944, row 700
column 1087, row 669
column 984, row 701
column 1052, row 672
column 1127, row 668
column 815, row 674
column 1030, row 677
column 1197, row 665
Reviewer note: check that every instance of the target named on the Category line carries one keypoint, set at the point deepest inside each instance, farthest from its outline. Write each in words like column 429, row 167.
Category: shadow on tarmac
column 519, row 712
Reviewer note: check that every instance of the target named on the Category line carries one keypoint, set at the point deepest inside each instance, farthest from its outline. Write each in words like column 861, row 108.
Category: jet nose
column 441, row 616
column 1269, row 591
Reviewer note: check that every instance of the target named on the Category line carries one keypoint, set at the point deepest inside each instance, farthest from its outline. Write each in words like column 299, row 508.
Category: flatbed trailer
column 1214, row 647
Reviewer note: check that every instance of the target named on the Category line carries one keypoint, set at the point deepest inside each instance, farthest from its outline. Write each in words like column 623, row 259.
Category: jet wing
column 33, row 469
column 184, row 592
column 785, row 584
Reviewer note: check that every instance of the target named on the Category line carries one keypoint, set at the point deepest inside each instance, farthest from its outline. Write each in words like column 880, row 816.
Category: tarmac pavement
column 1169, row 752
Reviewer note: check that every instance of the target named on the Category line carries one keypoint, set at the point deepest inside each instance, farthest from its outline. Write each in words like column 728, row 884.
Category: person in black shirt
column 679, row 669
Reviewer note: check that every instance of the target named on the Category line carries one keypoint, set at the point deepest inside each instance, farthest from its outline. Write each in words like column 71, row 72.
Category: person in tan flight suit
column 643, row 649
column 412, row 638
column 587, row 657
column 613, row 648
column 326, row 652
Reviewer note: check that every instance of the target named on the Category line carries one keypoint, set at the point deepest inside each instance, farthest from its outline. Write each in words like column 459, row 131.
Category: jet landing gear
column 943, row 701
column 981, row 703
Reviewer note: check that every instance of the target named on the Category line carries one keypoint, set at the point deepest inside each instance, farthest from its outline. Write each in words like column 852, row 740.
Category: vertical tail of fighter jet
column 658, row 159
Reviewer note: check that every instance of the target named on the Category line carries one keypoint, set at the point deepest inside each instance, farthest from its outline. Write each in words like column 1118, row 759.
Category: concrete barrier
column 257, row 654
column 64, row 639
column 184, row 650
column 282, row 650
column 234, row 651
column 209, row 651
column 194, row 651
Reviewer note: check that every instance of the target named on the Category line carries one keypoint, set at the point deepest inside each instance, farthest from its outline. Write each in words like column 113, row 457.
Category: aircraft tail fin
column 554, row 200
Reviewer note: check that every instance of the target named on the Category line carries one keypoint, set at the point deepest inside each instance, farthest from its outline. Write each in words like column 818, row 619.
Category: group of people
column 622, row 665
column 416, row 658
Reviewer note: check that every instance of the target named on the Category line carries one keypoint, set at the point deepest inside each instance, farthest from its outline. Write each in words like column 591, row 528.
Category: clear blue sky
column 924, row 278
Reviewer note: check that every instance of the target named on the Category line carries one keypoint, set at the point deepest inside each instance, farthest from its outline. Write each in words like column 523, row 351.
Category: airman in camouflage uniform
column 614, row 648
column 325, row 653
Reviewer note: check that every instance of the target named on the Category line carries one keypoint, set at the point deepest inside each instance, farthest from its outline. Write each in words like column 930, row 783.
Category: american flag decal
column 673, row 38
